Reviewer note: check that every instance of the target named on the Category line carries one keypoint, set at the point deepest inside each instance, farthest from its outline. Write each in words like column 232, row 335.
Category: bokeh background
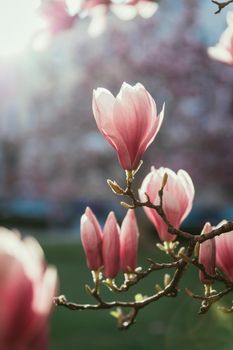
column 54, row 162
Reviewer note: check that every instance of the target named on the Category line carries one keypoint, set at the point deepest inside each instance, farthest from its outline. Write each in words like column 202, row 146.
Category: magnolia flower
column 111, row 247
column 207, row 255
column 177, row 198
column 223, row 51
column 129, row 242
column 129, row 122
column 91, row 237
column 224, row 252
column 27, row 288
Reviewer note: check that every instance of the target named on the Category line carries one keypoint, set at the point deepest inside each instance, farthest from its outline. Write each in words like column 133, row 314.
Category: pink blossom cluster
column 62, row 15
column 130, row 123
column 124, row 9
column 27, row 288
column 112, row 249
column 216, row 253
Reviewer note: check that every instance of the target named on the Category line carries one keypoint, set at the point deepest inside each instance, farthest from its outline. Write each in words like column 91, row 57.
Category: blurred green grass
column 168, row 324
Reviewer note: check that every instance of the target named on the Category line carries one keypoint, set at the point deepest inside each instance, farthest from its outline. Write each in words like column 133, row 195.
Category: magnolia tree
column 130, row 123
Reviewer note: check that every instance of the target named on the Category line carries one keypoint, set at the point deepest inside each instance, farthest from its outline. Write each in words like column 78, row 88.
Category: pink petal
column 111, row 247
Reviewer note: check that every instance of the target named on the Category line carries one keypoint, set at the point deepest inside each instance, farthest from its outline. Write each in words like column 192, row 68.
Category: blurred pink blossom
column 128, row 10
column 97, row 10
column 129, row 122
column 56, row 16
column 223, row 51
column 27, row 288
column 177, row 198
column 207, row 255
column 224, row 252
column 129, row 242
column 125, row 9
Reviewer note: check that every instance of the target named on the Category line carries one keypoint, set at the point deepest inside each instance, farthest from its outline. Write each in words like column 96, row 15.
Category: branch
column 221, row 5
column 227, row 227
column 171, row 285
column 137, row 276
column 125, row 321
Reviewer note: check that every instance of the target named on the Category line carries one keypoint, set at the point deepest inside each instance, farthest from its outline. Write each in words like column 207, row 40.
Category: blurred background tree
column 50, row 150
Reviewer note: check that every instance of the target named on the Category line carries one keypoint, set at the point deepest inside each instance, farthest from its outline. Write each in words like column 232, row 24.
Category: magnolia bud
column 111, row 247
column 91, row 240
column 207, row 256
column 129, row 242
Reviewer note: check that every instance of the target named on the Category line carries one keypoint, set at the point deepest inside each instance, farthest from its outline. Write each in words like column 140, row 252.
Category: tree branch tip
column 60, row 300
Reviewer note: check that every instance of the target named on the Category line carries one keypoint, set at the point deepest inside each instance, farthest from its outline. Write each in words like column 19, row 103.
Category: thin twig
column 221, row 5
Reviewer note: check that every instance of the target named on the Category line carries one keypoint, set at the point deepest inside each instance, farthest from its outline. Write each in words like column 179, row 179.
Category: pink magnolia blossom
column 177, row 198
column 91, row 237
column 27, row 288
column 56, row 17
column 129, row 242
column 111, row 247
column 129, row 122
column 224, row 252
column 223, row 51
column 207, row 255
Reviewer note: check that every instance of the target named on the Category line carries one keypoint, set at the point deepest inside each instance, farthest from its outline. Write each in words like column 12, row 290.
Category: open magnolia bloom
column 177, row 198
column 27, row 288
column 129, row 122
column 223, row 51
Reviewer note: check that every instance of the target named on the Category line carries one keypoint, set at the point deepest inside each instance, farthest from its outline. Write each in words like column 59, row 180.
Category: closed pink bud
column 223, row 51
column 91, row 238
column 27, row 288
column 111, row 247
column 91, row 216
column 129, row 242
column 207, row 256
column 224, row 252
column 177, row 198
column 129, row 122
